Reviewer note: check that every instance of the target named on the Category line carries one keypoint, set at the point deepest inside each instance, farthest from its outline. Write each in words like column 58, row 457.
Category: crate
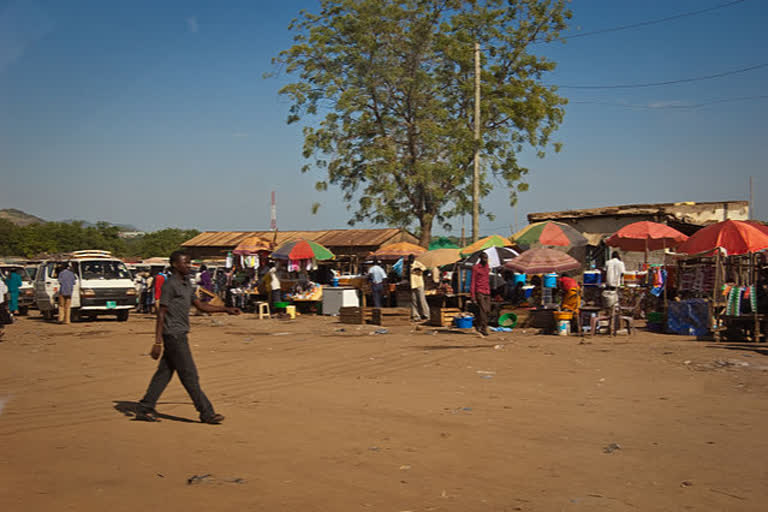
column 357, row 315
column 442, row 317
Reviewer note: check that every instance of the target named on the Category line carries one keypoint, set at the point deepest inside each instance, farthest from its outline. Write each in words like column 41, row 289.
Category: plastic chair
column 262, row 309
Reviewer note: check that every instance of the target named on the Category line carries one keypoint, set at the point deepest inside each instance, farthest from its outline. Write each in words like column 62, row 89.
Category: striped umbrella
column 543, row 260
column 497, row 256
column 549, row 234
column 398, row 250
column 485, row 243
column 302, row 250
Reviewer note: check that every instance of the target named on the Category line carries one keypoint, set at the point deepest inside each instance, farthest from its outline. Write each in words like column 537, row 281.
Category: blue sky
column 157, row 114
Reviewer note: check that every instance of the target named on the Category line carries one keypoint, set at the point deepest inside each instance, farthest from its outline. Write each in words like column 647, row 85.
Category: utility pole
column 476, row 178
column 462, row 232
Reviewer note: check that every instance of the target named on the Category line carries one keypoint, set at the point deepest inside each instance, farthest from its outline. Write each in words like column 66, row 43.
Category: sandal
column 150, row 416
column 216, row 419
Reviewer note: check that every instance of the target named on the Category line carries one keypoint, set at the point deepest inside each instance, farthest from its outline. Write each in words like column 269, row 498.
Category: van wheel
column 122, row 315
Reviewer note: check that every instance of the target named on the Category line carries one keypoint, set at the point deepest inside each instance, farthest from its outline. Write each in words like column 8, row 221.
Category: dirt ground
column 321, row 419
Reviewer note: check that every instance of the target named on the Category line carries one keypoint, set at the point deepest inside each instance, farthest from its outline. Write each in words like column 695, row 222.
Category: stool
column 262, row 308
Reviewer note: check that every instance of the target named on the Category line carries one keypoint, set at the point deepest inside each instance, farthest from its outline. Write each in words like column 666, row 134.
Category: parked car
column 104, row 286
column 27, row 290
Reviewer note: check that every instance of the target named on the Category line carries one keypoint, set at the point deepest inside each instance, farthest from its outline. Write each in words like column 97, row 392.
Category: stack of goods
column 311, row 292
column 697, row 279
column 741, row 300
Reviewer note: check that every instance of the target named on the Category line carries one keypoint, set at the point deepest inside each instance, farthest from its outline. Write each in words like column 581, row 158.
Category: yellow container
column 291, row 311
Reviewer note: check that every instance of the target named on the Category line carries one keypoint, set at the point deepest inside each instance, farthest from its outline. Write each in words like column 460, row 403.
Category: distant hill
column 19, row 217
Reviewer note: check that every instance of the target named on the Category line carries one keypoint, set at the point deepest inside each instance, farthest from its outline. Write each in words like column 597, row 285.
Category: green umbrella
column 442, row 242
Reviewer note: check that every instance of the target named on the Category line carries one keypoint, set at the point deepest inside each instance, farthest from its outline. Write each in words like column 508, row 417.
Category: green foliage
column 394, row 80
column 60, row 237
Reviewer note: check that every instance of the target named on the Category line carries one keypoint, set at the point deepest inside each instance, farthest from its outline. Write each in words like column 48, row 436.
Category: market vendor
column 571, row 291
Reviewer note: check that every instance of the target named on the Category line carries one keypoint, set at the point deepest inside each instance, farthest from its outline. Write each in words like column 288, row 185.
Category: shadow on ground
column 131, row 409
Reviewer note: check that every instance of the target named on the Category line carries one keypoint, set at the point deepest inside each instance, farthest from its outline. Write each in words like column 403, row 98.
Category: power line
column 668, row 82
column 655, row 21
column 669, row 107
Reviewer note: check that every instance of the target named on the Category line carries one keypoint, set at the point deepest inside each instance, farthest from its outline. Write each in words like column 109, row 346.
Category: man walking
column 480, row 291
column 377, row 276
column 171, row 330
column 67, row 280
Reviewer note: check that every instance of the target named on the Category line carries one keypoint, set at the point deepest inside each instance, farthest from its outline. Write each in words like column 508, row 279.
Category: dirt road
column 320, row 419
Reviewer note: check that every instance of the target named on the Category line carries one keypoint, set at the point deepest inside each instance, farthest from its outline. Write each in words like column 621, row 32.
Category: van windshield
column 104, row 270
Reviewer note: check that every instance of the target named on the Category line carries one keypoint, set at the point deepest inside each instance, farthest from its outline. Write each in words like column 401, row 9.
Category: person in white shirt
column 274, row 285
column 5, row 317
column 614, row 276
column 377, row 276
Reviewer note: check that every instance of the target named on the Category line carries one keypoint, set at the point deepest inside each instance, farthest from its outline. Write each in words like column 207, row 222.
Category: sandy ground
column 419, row 420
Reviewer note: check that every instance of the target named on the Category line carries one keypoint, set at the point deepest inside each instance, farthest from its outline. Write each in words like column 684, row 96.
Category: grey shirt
column 67, row 280
column 177, row 295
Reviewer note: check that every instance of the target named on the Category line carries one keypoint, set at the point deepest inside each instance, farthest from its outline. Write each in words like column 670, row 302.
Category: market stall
column 722, row 270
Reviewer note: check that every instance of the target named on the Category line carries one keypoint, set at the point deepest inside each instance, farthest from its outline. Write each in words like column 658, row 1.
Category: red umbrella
column 646, row 236
column 539, row 261
column 734, row 236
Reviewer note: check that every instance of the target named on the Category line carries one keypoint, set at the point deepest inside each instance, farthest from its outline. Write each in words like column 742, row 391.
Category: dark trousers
column 483, row 308
column 377, row 290
column 177, row 358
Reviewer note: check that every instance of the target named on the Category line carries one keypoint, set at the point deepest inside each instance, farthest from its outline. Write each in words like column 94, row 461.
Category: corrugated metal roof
column 328, row 238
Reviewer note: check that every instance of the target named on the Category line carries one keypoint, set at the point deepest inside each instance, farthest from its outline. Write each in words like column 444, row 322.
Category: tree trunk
column 425, row 222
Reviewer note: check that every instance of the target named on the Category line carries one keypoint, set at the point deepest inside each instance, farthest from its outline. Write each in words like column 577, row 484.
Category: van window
column 104, row 270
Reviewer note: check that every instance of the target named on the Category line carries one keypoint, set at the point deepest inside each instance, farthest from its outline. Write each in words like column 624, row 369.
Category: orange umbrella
column 253, row 245
column 485, row 243
column 734, row 236
column 646, row 236
column 398, row 250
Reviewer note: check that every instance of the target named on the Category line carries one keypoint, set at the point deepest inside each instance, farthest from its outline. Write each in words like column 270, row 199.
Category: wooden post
column 715, row 315
column 753, row 262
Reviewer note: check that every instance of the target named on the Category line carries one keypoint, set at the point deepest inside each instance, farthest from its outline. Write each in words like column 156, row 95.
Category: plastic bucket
column 291, row 311
column 563, row 328
column 508, row 320
column 550, row 280
column 528, row 289
column 519, row 278
column 464, row 322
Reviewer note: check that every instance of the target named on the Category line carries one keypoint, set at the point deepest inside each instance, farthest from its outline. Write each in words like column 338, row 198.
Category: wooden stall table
column 305, row 306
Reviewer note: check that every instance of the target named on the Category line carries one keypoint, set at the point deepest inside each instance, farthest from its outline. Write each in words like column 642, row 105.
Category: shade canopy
column 253, row 245
column 733, row 236
column 646, row 236
column 549, row 233
column 439, row 257
column 398, row 250
column 442, row 243
column 497, row 256
column 485, row 243
column 543, row 260
column 302, row 250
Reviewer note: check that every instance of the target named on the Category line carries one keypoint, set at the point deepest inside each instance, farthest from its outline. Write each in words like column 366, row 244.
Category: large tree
column 392, row 82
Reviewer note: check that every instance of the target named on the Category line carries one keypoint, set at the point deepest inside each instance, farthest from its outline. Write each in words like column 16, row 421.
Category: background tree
column 394, row 80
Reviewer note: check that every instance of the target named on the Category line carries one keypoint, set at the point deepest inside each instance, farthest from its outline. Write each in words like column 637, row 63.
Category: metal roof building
column 342, row 242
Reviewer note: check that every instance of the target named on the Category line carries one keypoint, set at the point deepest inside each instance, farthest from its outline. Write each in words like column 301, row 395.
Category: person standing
column 158, row 283
column 14, row 285
column 377, row 276
column 67, row 280
column 480, row 291
column 419, row 306
column 275, row 291
column 206, row 283
column 614, row 275
column 171, row 330
column 5, row 317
